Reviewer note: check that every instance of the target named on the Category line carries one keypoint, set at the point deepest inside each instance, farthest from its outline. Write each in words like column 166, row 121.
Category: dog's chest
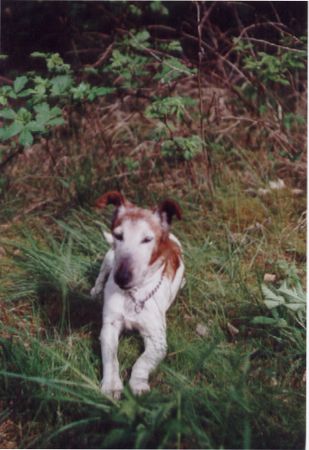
column 129, row 310
column 134, row 313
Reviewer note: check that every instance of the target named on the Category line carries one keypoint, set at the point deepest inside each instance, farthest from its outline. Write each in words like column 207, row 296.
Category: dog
column 140, row 277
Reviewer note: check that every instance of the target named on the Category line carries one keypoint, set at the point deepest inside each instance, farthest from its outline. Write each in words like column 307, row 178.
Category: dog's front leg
column 111, row 382
column 155, row 351
column 105, row 269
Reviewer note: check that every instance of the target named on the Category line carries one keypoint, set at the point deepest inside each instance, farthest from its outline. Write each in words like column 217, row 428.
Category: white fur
column 119, row 310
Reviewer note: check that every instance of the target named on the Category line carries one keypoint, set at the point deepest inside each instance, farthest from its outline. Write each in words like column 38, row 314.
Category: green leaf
column 135, row 10
column 35, row 127
column 274, row 303
column 46, row 116
column 38, row 55
column 12, row 94
column 173, row 68
column 56, row 121
column 79, row 92
column 3, row 100
column 55, row 111
column 19, row 83
column 12, row 130
column 26, row 92
column 25, row 138
column 272, row 299
column 157, row 7
column 8, row 114
column 41, row 108
column 292, row 295
column 171, row 46
column 2, row 136
column 263, row 320
column 295, row 306
column 140, row 39
column 60, row 84
column 99, row 91
column 56, row 64
column 23, row 115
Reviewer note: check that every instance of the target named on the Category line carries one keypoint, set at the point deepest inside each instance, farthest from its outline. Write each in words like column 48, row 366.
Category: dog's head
column 139, row 237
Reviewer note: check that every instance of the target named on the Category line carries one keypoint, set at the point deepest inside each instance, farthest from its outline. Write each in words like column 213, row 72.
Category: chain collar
column 139, row 304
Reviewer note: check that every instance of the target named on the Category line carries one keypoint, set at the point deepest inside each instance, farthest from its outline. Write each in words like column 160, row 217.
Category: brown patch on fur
column 170, row 208
column 135, row 214
column 110, row 198
column 170, row 252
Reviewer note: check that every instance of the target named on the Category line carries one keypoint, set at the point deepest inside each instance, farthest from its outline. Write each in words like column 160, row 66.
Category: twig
column 162, row 27
column 200, row 23
column 103, row 57
column 10, row 157
column 5, row 80
column 84, row 50
column 199, row 77
column 216, row 53
column 275, row 25
column 271, row 44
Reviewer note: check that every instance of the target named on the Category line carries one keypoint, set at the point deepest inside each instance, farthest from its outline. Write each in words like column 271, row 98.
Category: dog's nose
column 123, row 275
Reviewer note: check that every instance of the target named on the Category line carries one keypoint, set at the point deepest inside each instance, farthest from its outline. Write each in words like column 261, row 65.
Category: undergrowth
column 235, row 384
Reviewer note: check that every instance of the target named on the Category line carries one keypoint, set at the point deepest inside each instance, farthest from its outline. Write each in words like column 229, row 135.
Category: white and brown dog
column 141, row 275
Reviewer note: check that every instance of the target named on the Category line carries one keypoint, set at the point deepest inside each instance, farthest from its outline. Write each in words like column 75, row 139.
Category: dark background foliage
column 29, row 26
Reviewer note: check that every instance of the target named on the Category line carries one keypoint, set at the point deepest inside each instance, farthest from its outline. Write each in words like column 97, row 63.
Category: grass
column 237, row 385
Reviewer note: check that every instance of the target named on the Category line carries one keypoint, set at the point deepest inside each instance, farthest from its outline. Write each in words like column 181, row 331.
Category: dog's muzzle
column 123, row 275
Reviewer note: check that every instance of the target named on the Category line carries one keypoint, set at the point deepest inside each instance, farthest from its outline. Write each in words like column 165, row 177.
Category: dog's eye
column 118, row 236
column 146, row 240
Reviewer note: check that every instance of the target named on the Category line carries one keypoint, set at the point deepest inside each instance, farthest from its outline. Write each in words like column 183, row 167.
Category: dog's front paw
column 139, row 387
column 96, row 291
column 112, row 390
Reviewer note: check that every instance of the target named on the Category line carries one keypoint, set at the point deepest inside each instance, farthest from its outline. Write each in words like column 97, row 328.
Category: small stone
column 269, row 277
column 251, row 191
column 262, row 192
column 239, row 238
column 202, row 330
column 187, row 317
column 257, row 226
column 273, row 381
column 277, row 185
column 232, row 330
column 297, row 191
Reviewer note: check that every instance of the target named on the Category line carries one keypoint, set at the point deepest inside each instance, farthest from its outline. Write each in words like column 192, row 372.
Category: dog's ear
column 110, row 198
column 167, row 209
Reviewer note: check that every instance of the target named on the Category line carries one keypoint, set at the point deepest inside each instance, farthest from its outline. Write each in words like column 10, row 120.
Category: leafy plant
column 287, row 306
column 268, row 70
column 172, row 68
column 38, row 95
column 185, row 147
column 130, row 67
column 169, row 108
column 290, row 299
column 158, row 7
